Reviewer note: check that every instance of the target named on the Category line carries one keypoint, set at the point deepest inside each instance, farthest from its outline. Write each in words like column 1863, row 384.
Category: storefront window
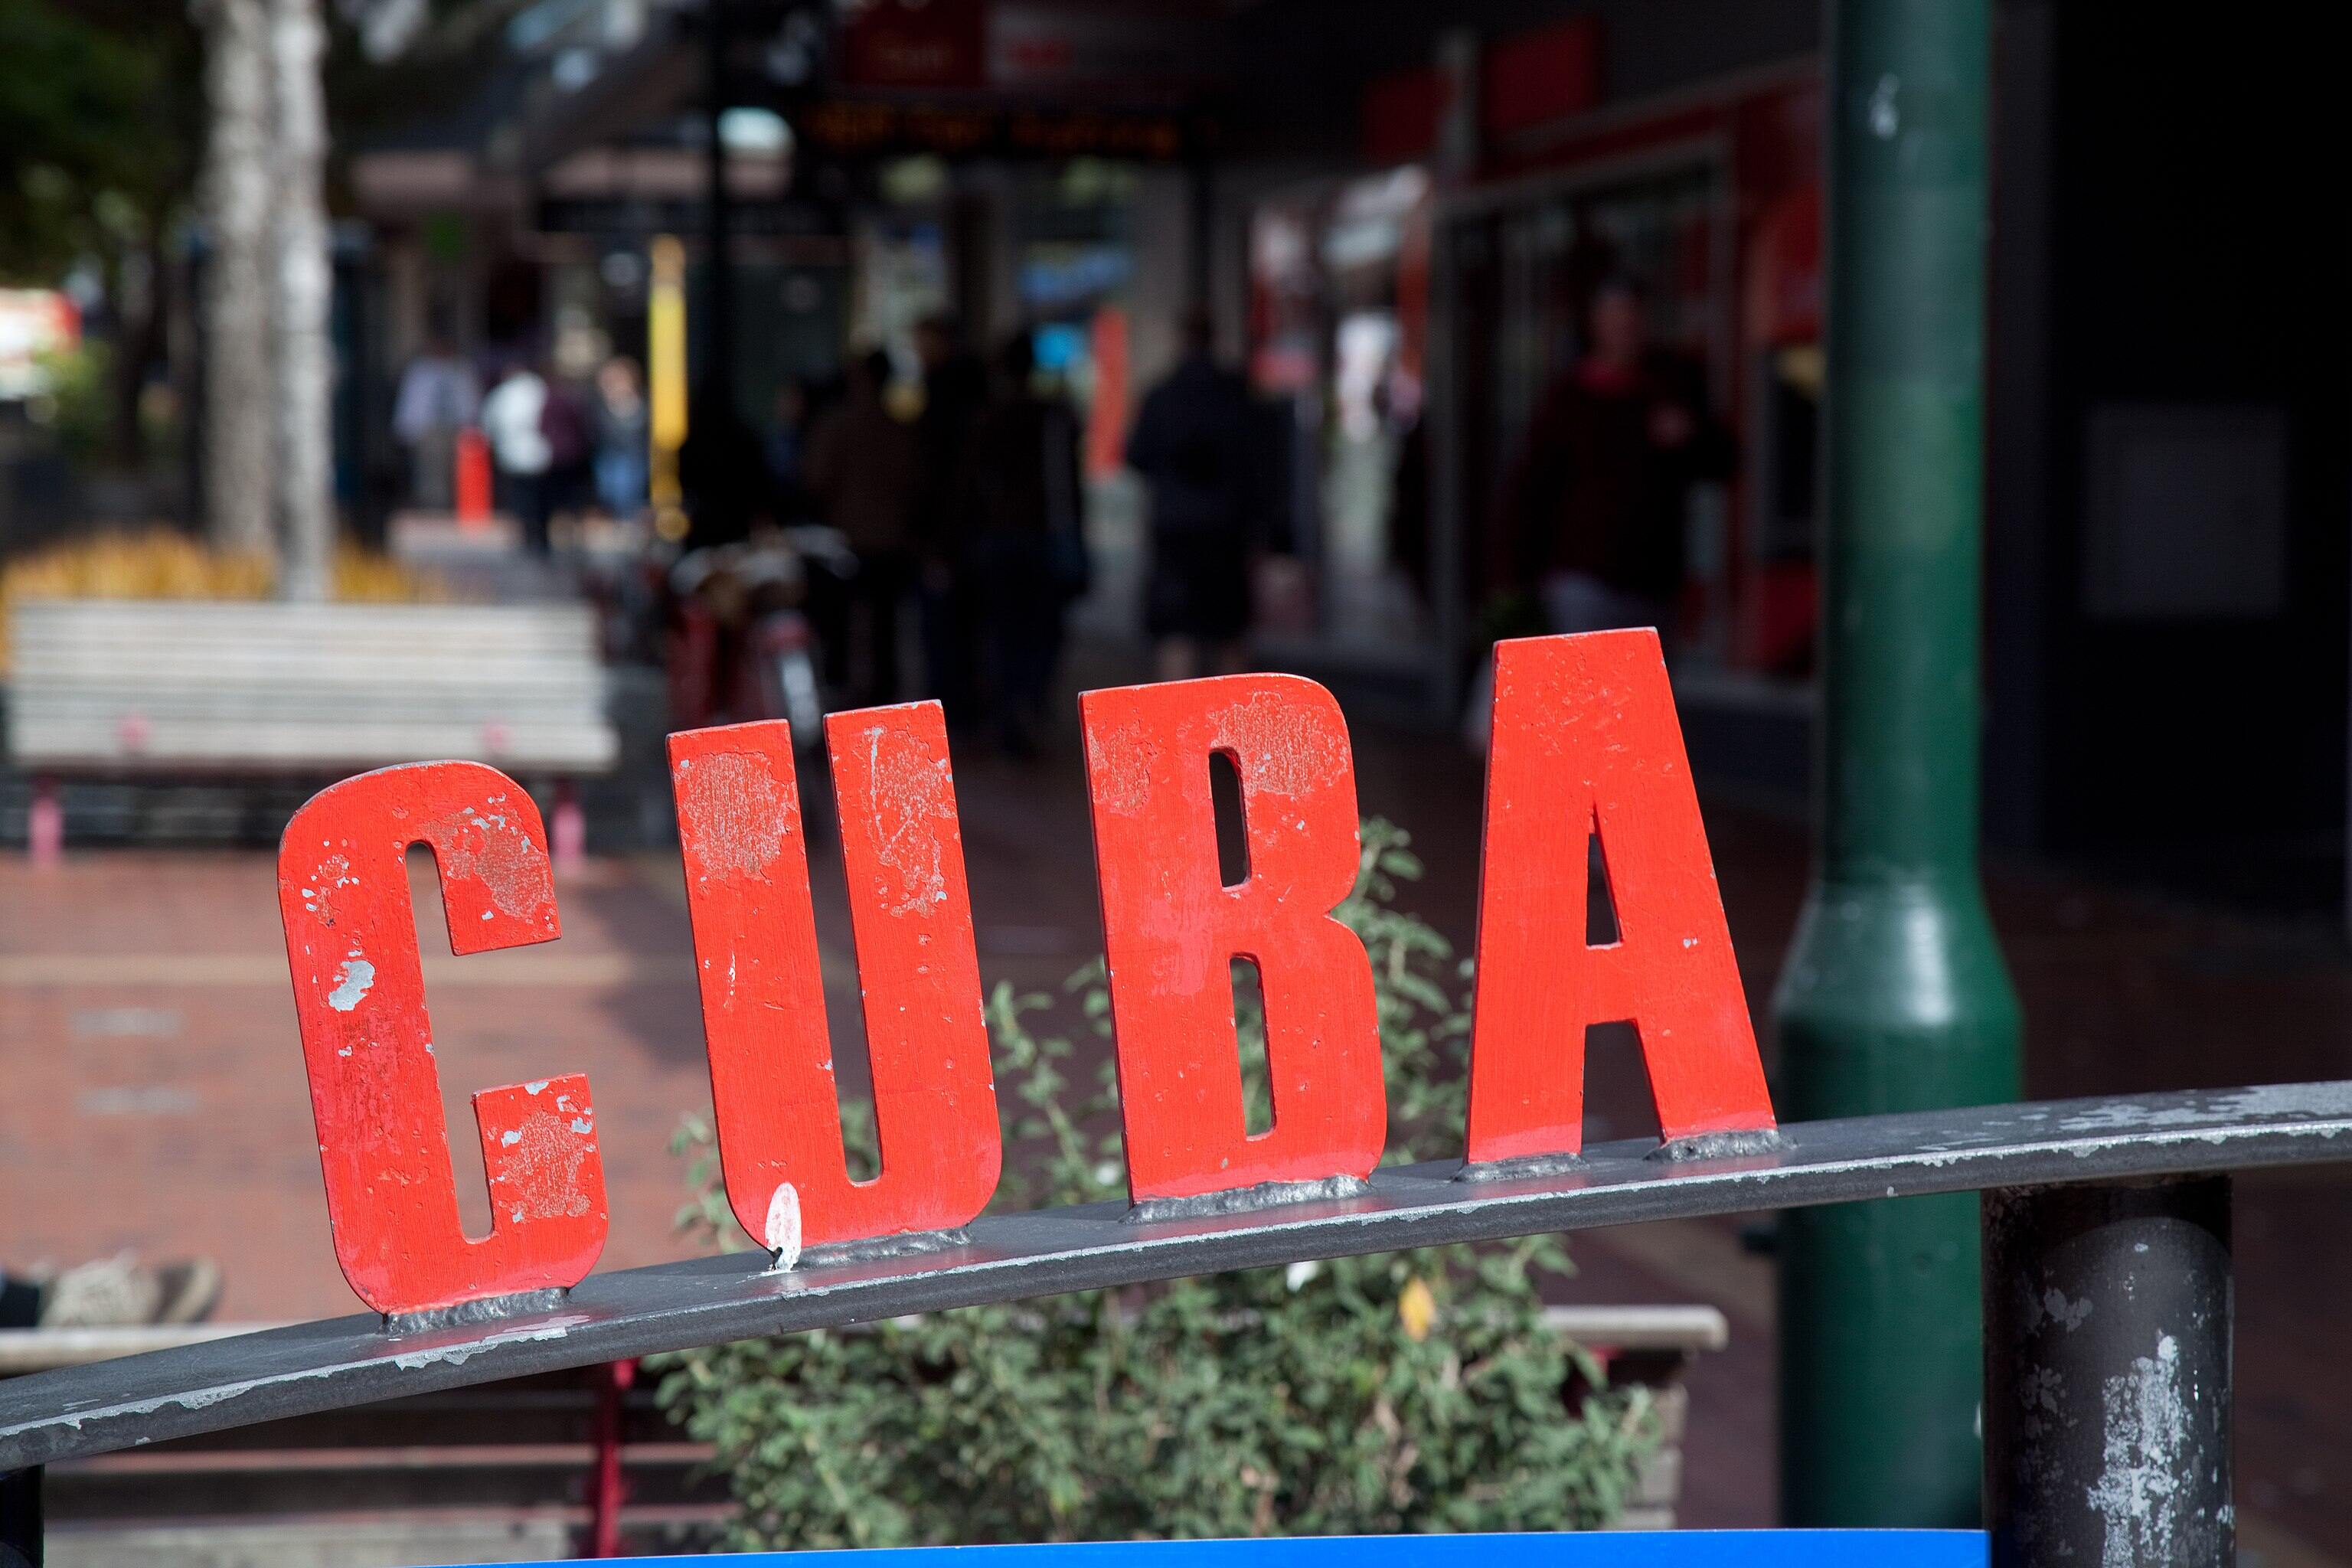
column 1525, row 271
column 1338, row 316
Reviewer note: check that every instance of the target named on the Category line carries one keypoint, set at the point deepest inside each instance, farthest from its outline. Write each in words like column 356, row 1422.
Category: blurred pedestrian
column 622, row 423
column 786, row 444
column 1593, row 509
column 955, row 388
column 863, row 472
column 722, row 471
column 438, row 395
column 1192, row 443
column 512, row 417
column 1021, row 506
column 568, row 420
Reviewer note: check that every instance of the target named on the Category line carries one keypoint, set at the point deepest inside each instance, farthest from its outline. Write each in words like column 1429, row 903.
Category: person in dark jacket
column 1194, row 445
column 1020, row 505
column 1593, row 507
column 622, row 422
column 862, row 469
column 955, row 388
column 722, row 471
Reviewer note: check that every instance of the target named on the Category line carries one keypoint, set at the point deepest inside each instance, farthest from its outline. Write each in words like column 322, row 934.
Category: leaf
column 1417, row 1308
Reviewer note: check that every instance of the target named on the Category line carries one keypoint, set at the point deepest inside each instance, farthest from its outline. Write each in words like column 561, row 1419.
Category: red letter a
column 1586, row 743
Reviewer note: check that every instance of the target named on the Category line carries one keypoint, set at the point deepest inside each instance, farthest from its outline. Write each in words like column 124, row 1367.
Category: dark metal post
column 718, row 367
column 20, row 1519
column 2106, row 1375
column 1894, row 997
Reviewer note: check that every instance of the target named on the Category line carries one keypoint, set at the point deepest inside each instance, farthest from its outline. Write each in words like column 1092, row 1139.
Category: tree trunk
column 238, row 470
column 303, row 273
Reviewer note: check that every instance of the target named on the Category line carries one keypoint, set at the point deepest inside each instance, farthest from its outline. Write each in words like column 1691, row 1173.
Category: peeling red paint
column 913, row 796
column 535, row 1170
column 1586, row 742
column 1172, row 929
column 367, row 1041
column 1285, row 757
column 732, row 815
column 1119, row 760
column 777, row 1110
column 483, row 843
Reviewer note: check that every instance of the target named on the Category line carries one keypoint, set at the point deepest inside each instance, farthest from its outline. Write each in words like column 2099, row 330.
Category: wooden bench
column 124, row 689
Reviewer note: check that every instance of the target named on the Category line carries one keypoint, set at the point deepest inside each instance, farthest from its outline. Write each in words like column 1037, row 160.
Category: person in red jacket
column 1593, row 509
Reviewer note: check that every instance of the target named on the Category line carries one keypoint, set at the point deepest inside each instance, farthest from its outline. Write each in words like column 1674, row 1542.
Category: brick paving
column 152, row 1095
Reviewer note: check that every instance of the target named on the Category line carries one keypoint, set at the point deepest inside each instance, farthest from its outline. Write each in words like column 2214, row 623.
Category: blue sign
column 1664, row 1549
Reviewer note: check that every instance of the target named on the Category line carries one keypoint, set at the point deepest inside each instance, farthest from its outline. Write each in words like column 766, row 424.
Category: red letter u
column 764, row 1013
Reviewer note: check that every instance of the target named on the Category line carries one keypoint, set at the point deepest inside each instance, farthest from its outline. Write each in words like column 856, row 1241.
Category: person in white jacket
column 513, row 422
column 439, row 396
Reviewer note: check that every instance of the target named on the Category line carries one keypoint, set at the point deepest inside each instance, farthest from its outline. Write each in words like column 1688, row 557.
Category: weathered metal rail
column 2084, row 1197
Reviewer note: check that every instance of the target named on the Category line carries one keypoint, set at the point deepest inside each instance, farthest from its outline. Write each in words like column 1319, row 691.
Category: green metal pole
column 1894, row 997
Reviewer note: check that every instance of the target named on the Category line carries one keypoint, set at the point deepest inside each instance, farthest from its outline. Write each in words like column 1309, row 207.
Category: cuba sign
column 1586, row 749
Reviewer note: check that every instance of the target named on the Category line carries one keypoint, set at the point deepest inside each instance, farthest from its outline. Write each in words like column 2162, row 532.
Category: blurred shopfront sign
column 1027, row 48
column 917, row 45
column 1521, row 82
column 852, row 127
column 1041, row 45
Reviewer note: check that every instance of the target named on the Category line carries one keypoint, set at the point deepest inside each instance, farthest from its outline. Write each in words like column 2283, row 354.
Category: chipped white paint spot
column 1276, row 748
column 352, row 983
column 332, row 875
column 2262, row 1100
column 537, row 1086
column 913, row 803
column 543, row 1175
column 2068, row 1315
column 782, row 1231
column 489, row 850
column 736, row 816
column 509, row 1138
column 2146, row 1432
column 459, row 1355
column 1122, row 761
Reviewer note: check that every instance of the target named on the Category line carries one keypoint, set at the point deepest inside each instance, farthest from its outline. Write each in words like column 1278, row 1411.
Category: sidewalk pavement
column 152, row 1095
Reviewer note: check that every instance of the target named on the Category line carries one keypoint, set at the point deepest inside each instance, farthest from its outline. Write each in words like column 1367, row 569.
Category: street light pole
column 719, row 294
column 1894, row 997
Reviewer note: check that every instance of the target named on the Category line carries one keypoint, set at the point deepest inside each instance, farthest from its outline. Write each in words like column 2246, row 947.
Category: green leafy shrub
column 1413, row 1391
column 75, row 404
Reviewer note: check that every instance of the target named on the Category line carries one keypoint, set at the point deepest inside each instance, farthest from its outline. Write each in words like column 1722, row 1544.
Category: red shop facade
column 1433, row 300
